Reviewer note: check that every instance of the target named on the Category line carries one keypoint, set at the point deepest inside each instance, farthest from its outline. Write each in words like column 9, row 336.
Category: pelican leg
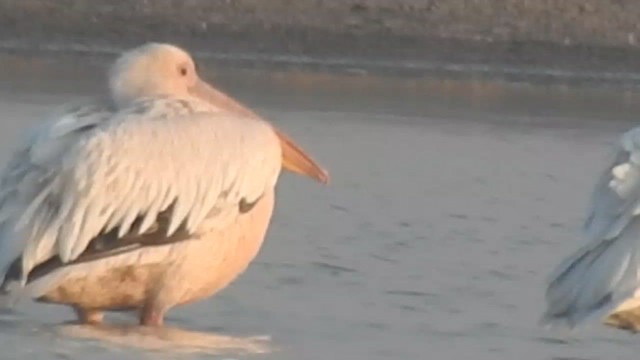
column 151, row 315
column 88, row 316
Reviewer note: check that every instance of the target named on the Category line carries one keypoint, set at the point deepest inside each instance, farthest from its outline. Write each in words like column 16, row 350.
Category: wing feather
column 606, row 270
column 135, row 163
column 29, row 178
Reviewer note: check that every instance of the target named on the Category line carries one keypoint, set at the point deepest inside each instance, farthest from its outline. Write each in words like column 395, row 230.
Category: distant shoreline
column 593, row 40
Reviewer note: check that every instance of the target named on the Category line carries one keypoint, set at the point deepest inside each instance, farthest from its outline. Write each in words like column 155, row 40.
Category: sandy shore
column 582, row 36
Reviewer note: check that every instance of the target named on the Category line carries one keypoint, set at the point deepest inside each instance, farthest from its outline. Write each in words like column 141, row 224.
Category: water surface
column 450, row 202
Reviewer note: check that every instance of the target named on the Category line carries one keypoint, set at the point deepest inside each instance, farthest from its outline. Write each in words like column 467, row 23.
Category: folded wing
column 160, row 158
column 606, row 270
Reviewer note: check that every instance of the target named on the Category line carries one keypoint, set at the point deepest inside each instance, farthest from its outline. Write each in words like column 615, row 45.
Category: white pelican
column 602, row 279
column 158, row 196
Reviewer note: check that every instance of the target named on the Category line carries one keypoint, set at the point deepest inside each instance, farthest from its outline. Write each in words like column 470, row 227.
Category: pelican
column 601, row 280
column 157, row 195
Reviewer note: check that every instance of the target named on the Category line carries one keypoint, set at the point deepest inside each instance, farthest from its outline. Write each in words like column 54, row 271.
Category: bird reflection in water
column 166, row 339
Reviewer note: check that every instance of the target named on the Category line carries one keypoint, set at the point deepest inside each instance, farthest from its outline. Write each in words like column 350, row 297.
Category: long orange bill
column 296, row 160
column 221, row 100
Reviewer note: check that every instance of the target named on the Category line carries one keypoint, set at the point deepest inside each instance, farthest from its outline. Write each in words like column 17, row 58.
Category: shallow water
column 450, row 202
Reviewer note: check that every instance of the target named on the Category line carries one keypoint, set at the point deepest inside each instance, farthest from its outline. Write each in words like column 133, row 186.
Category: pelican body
column 158, row 195
column 601, row 280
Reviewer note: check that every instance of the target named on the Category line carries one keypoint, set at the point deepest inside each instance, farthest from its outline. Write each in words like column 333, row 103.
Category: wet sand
column 450, row 202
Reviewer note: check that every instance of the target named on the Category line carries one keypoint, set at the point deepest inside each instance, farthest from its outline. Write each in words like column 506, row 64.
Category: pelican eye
column 183, row 70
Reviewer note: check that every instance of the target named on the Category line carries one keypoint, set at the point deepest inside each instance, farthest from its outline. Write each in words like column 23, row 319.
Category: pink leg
column 151, row 316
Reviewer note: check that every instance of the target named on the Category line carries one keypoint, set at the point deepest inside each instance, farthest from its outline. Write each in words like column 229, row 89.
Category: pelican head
column 152, row 69
column 164, row 69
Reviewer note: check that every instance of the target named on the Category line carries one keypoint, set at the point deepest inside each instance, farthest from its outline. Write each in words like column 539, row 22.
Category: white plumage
column 166, row 154
column 29, row 175
column 603, row 274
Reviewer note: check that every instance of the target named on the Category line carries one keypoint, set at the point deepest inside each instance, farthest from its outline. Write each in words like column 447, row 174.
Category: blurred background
column 463, row 138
